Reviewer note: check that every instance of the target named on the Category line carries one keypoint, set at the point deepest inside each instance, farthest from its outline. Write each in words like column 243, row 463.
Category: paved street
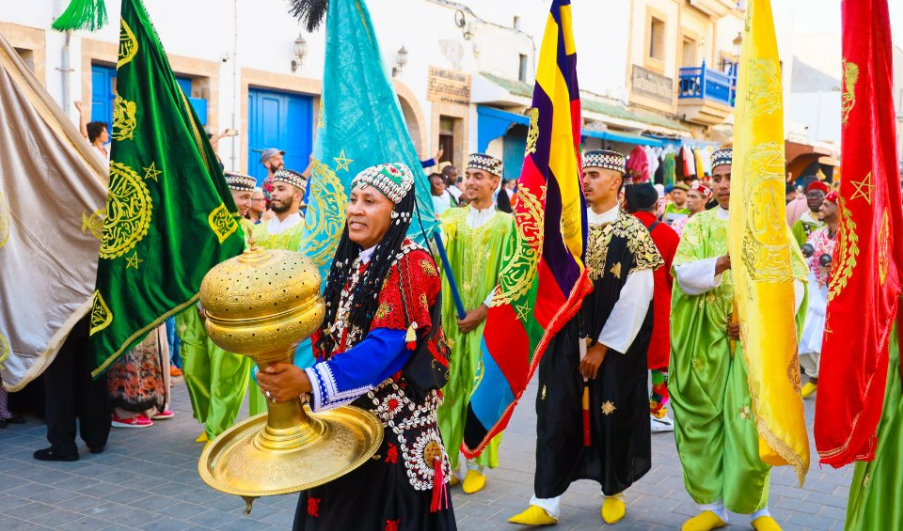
column 148, row 479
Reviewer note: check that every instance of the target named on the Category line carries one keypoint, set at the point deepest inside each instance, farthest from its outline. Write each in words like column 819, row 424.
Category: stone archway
column 414, row 119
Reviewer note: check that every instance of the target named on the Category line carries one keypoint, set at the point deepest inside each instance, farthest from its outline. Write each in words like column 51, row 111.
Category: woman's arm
column 343, row 378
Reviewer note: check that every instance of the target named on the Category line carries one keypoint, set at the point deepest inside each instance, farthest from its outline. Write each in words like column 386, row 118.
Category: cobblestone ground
column 147, row 479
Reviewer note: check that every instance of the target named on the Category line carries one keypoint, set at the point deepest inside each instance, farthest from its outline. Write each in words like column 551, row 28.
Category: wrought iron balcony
column 706, row 84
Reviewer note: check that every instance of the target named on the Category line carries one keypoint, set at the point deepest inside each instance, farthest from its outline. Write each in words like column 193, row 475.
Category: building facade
column 652, row 72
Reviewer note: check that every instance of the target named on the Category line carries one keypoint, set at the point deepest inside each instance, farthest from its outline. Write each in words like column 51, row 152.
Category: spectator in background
column 97, row 133
column 677, row 208
column 139, row 383
column 451, row 182
column 70, row 394
column 644, row 206
column 442, row 199
column 175, row 343
column 810, row 220
column 789, row 193
column 258, row 206
column 429, row 163
column 273, row 160
column 6, row 417
column 799, row 205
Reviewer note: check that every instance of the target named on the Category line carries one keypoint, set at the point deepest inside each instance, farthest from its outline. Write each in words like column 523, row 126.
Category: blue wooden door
column 515, row 142
column 279, row 120
column 103, row 91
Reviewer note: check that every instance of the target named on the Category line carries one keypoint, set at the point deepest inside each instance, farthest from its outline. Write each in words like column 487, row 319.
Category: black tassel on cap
column 310, row 12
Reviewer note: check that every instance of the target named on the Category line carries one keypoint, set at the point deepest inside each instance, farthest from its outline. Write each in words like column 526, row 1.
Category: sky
column 818, row 16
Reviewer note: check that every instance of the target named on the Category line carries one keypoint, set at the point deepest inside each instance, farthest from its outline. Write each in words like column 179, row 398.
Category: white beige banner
column 52, row 195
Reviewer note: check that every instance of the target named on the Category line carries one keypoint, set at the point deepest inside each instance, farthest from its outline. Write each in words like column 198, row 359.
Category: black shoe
column 95, row 451
column 53, row 454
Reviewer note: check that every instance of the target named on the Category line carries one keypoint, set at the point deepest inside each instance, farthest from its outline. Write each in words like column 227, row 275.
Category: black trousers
column 71, row 394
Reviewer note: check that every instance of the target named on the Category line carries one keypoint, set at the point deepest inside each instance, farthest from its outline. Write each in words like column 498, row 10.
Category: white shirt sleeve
column 696, row 278
column 488, row 300
column 627, row 316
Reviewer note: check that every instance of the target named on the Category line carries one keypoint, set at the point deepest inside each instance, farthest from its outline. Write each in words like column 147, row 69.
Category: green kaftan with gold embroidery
column 475, row 256
column 715, row 431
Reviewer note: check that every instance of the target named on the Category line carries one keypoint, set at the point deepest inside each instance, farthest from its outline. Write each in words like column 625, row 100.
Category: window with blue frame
column 103, row 92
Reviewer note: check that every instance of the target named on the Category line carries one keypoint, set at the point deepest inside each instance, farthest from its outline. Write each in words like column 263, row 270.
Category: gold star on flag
column 864, row 188
column 152, row 172
column 133, row 261
column 341, row 163
column 608, row 408
column 523, row 311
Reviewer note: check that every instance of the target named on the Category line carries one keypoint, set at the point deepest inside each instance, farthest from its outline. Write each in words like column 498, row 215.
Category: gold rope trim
column 156, row 322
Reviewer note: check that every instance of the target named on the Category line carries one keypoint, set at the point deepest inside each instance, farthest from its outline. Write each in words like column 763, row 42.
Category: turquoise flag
column 361, row 124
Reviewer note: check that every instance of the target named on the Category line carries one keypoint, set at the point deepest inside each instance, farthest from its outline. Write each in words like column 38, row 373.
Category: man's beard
column 279, row 207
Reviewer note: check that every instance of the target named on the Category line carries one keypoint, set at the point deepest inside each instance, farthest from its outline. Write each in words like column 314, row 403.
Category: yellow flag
column 761, row 249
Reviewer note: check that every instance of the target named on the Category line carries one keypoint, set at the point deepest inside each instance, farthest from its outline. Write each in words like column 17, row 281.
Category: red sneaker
column 166, row 414
column 174, row 371
column 138, row 421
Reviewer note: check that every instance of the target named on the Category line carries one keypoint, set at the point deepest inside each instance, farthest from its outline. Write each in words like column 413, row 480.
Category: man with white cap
column 475, row 238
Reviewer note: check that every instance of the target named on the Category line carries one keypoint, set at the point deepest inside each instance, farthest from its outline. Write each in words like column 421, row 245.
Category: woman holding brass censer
column 381, row 348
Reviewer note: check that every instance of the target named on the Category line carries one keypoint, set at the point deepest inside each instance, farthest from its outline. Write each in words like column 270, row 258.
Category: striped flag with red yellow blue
column 544, row 280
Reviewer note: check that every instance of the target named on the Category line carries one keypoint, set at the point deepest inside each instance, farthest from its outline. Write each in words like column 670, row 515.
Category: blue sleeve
column 428, row 163
column 340, row 380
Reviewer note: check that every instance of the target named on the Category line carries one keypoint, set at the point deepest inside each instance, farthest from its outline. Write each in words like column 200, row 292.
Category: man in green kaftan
column 875, row 489
column 809, row 222
column 282, row 232
column 716, row 435
column 216, row 379
column 475, row 239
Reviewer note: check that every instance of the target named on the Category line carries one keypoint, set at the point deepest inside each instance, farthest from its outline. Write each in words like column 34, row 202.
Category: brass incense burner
column 262, row 304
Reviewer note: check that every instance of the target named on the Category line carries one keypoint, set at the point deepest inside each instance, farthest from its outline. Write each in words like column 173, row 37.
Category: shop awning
column 493, row 123
column 619, row 136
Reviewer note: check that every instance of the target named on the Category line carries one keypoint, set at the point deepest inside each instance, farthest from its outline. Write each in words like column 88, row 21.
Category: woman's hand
column 281, row 382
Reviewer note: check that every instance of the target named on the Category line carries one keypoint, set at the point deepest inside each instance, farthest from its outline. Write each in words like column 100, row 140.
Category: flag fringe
column 88, row 15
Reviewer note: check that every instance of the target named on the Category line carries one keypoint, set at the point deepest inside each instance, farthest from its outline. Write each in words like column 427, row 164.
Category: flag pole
column 446, row 266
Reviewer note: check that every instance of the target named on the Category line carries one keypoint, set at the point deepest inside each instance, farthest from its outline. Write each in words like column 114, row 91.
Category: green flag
column 169, row 212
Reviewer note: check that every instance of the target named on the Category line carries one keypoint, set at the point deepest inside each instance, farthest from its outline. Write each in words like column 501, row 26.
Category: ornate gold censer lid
column 262, row 304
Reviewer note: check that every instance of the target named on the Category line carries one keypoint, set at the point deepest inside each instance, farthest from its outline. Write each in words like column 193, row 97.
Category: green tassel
column 88, row 15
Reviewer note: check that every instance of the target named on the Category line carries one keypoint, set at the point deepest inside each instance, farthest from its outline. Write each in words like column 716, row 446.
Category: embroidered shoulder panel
column 639, row 243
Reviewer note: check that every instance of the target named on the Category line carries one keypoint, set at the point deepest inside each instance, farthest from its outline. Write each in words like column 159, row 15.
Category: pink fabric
column 795, row 209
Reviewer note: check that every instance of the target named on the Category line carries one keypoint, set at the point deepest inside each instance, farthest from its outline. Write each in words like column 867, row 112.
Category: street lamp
column 299, row 50
column 401, row 59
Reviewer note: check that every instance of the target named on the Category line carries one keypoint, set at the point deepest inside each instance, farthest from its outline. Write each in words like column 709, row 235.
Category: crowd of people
column 660, row 312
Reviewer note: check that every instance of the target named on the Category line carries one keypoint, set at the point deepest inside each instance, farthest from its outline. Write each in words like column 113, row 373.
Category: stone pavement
column 147, row 479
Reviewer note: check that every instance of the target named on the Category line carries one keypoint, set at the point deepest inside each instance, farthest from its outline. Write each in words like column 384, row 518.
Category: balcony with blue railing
column 707, row 96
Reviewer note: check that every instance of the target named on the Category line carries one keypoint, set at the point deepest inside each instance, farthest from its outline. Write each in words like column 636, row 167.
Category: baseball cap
column 269, row 153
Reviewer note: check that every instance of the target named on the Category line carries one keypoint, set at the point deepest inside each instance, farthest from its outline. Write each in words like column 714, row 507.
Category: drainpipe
column 65, row 70
column 236, row 90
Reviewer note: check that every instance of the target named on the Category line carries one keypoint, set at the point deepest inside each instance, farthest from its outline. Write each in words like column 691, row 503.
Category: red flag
column 865, row 275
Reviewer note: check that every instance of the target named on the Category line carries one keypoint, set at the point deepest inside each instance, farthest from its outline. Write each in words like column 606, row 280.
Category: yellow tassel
column 411, row 335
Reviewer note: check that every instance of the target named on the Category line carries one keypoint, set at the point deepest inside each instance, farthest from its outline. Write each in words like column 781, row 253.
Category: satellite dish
column 460, row 21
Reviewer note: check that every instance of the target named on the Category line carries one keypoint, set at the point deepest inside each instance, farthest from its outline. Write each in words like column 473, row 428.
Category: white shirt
column 477, row 218
column 455, row 191
column 627, row 315
column 278, row 227
column 441, row 203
